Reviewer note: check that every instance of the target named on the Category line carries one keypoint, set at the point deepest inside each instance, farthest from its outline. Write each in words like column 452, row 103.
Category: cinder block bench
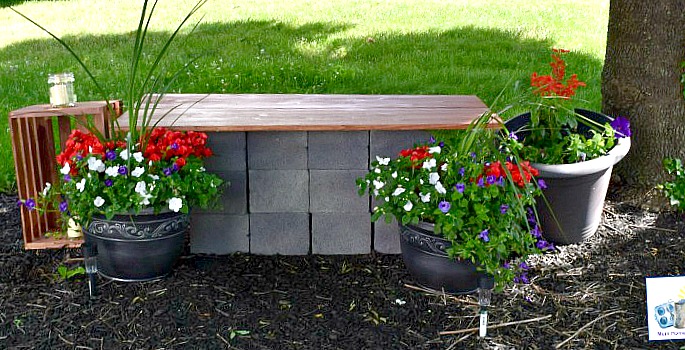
column 292, row 161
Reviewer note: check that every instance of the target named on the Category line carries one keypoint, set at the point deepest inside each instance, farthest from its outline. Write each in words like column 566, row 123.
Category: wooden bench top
column 309, row 112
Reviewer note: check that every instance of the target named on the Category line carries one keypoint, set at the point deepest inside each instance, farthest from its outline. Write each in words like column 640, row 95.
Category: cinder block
column 234, row 198
column 229, row 151
column 390, row 143
column 386, row 237
column 279, row 191
column 338, row 149
column 270, row 150
column 219, row 234
column 279, row 233
column 336, row 191
column 341, row 233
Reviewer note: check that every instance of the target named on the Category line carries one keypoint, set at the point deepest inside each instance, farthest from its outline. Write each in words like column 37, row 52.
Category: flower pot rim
column 587, row 167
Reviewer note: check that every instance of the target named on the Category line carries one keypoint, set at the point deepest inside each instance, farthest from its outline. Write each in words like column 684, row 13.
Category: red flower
column 180, row 162
column 416, row 154
column 554, row 85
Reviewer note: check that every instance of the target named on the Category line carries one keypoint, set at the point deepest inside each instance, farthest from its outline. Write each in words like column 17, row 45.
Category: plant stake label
column 666, row 307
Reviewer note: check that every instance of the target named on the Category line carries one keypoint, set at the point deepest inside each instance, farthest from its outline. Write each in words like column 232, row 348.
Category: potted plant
column 574, row 150
column 465, row 208
column 132, row 189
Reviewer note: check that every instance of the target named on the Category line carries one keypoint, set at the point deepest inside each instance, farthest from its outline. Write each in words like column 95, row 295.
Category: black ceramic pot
column 424, row 255
column 139, row 247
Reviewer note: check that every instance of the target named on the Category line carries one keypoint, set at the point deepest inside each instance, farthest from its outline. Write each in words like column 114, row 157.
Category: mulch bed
column 586, row 296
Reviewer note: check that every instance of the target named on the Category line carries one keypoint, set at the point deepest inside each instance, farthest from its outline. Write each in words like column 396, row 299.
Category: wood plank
column 269, row 112
column 53, row 243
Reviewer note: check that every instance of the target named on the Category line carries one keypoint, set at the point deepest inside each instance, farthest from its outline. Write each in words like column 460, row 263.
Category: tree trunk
column 641, row 81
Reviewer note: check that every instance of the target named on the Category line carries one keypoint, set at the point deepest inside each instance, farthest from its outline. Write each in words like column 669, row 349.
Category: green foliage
column 674, row 190
column 473, row 187
column 66, row 273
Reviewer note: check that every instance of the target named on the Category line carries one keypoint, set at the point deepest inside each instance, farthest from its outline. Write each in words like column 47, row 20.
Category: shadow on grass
column 275, row 57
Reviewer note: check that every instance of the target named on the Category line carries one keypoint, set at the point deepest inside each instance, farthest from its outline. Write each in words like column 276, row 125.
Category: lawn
column 298, row 46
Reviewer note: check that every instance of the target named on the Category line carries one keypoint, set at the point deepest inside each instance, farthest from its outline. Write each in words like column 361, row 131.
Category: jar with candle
column 62, row 90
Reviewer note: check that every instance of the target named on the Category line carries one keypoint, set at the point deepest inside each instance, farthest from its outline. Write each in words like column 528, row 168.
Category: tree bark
column 641, row 81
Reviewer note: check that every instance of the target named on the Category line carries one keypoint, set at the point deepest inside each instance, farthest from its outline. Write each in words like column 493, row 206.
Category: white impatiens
column 383, row 161
column 175, row 204
column 95, row 164
column 433, row 178
column 65, row 169
column 398, row 191
column 81, row 185
column 140, row 187
column 124, row 154
column 443, row 167
column 408, row 206
column 46, row 189
column 394, row 175
column 425, row 197
column 436, row 149
column 429, row 164
column 98, row 201
column 378, row 184
column 112, row 171
column 138, row 171
column 440, row 188
column 138, row 156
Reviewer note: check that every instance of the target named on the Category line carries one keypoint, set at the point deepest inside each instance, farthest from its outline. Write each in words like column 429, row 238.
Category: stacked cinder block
column 294, row 193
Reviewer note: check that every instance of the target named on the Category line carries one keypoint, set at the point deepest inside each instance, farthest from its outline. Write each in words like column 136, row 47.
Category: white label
column 483, row 330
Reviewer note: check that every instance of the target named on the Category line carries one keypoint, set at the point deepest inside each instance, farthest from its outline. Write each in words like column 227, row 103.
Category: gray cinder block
column 341, row 233
column 267, row 150
column 219, row 233
column 386, row 237
column 338, row 149
column 229, row 151
column 390, row 143
column 279, row 233
column 278, row 191
column 336, row 191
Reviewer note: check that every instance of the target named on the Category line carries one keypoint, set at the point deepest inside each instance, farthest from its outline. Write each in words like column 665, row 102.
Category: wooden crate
column 33, row 145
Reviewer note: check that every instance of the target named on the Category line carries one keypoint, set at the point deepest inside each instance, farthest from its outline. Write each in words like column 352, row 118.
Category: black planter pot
column 424, row 255
column 140, row 247
column 574, row 198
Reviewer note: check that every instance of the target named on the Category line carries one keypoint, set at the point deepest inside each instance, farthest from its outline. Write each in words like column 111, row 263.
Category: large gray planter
column 571, row 209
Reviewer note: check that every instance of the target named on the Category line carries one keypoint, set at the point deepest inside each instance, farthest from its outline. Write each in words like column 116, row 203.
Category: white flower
column 175, row 204
column 429, row 164
column 433, row 178
column 387, row 199
column 112, row 171
column 435, row 149
column 400, row 302
column 140, row 187
column 439, row 188
column 383, row 161
column 377, row 171
column 124, row 154
column 425, row 197
column 421, row 181
column 154, row 177
column 81, row 185
column 398, row 191
column 96, row 165
column 408, row 206
column 65, row 169
column 443, row 167
column 201, row 169
column 146, row 198
column 138, row 156
column 98, row 201
column 378, row 184
column 394, row 175
column 46, row 188
column 138, row 171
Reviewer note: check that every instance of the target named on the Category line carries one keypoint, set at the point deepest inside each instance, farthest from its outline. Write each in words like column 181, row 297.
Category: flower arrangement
column 553, row 135
column 475, row 190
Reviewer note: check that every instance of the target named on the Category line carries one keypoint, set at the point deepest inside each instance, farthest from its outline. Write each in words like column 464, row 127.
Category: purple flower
column 621, row 127
column 460, row 187
column 67, row 178
column 473, row 155
column 541, row 244
column 523, row 266
column 441, row 144
column 462, row 171
column 109, row 182
column 503, row 208
column 20, row 203
column 123, row 170
column 523, row 278
column 484, row 235
column 444, row 206
column 30, row 204
column 79, row 156
column 63, row 206
column 491, row 179
column 531, row 219
column 431, row 140
column 174, row 167
column 513, row 136
column 480, row 182
column 174, row 146
column 506, row 265
column 536, row 232
column 542, row 184
column 501, row 181
column 111, row 155
column 167, row 171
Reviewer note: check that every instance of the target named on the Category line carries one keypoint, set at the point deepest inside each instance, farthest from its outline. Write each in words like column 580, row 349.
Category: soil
column 585, row 296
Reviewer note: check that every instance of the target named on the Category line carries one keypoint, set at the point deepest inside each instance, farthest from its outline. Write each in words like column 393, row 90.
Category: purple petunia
column 542, row 244
column 444, row 206
column 462, row 171
column 20, row 203
column 67, row 178
column 481, row 183
column 484, row 235
column 506, row 265
column 503, row 208
column 79, row 157
column 109, row 182
column 123, row 170
column 63, row 206
column 167, row 171
column 522, row 278
column 30, row 204
column 501, row 181
column 491, row 179
column 621, row 127
column 174, row 167
column 431, row 139
column 460, row 187
column 174, row 146
column 513, row 136
column 536, row 232
column 441, row 144
column 473, row 155
column 523, row 266
column 111, row 155
column 542, row 184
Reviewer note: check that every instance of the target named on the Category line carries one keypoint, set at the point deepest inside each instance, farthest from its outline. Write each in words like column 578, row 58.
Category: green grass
column 297, row 46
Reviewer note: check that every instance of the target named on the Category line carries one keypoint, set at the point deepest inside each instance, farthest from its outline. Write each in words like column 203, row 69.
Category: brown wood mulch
column 586, row 296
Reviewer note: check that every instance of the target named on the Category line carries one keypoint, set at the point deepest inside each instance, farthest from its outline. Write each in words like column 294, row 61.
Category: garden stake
column 90, row 259
column 485, row 286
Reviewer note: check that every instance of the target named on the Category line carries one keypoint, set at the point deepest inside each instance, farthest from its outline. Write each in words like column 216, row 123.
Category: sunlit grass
column 297, row 46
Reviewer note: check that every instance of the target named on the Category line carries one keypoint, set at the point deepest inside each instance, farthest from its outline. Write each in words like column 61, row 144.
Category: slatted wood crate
column 33, row 145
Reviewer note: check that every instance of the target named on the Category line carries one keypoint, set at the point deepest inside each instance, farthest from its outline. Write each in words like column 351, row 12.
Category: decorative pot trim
column 424, row 239
column 126, row 229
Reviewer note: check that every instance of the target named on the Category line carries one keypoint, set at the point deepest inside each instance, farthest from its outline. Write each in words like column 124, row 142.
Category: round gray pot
column 571, row 208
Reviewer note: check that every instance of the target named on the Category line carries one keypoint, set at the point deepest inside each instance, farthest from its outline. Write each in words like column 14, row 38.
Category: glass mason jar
column 62, row 90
